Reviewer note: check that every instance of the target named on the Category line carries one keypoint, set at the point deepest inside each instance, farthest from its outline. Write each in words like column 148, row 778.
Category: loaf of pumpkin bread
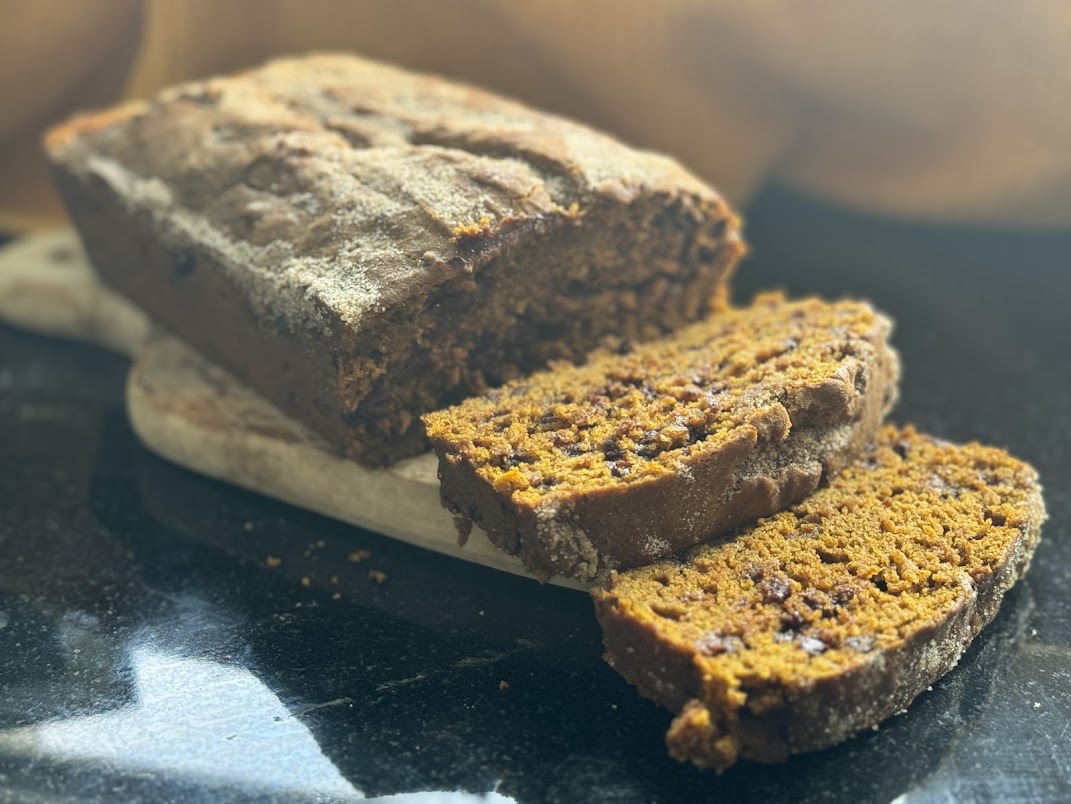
column 798, row 632
column 361, row 244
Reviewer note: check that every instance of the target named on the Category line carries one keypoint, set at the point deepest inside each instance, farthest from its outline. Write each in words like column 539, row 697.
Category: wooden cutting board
column 199, row 416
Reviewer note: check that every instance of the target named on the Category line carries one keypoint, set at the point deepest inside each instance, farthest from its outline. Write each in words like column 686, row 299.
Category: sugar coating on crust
column 664, row 407
column 828, row 617
column 332, row 182
column 362, row 244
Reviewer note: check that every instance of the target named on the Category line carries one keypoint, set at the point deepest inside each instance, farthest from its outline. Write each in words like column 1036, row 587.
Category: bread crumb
column 334, row 579
column 482, row 228
column 357, row 556
column 273, row 561
column 306, row 580
column 503, row 685
column 377, row 576
column 321, row 543
column 336, row 596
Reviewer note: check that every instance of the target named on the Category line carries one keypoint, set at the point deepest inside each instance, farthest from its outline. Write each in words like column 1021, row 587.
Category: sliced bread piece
column 821, row 621
column 631, row 457
column 362, row 244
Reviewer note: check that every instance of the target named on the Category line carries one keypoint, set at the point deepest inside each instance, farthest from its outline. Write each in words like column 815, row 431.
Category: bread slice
column 821, row 621
column 361, row 244
column 631, row 457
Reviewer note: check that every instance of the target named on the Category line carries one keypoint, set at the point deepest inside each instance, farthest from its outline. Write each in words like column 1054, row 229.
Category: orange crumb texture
column 480, row 229
column 656, row 410
column 813, row 592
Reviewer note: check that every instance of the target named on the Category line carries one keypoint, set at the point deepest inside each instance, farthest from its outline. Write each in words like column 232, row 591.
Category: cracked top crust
column 351, row 184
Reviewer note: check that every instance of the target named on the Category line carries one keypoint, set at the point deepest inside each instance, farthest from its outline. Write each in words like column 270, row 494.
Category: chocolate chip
column 997, row 519
column 561, row 439
column 714, row 644
column 547, row 423
column 843, row 592
column 696, row 434
column 649, row 448
column 829, row 557
column 774, row 590
column 792, row 620
column 815, row 598
column 611, row 449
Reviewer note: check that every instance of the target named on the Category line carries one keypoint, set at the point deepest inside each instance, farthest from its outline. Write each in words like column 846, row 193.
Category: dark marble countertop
column 150, row 650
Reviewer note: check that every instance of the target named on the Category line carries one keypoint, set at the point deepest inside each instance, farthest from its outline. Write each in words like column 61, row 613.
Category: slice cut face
column 633, row 456
column 794, row 634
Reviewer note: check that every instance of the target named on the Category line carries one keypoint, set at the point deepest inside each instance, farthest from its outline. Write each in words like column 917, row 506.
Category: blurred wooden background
column 951, row 111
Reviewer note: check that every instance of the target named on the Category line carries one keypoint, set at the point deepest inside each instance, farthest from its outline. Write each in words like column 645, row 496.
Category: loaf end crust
column 361, row 244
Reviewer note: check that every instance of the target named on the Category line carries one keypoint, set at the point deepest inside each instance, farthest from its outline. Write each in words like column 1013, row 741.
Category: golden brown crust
column 631, row 457
column 86, row 123
column 362, row 244
column 825, row 619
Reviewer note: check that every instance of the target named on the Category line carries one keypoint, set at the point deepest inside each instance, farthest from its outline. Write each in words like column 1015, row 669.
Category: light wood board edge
column 199, row 416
